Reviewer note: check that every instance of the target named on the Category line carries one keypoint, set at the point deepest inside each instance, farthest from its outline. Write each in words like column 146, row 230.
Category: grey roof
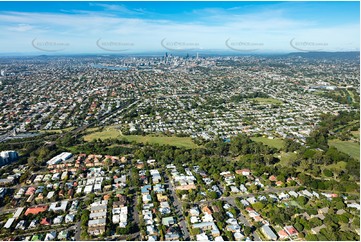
column 96, row 222
column 98, row 208
column 98, row 215
column 268, row 231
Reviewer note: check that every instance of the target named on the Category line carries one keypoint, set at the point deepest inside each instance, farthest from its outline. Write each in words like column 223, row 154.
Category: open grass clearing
column 339, row 166
column 111, row 132
column 163, row 140
column 348, row 147
column 262, row 100
column 286, row 158
column 106, row 133
column 275, row 143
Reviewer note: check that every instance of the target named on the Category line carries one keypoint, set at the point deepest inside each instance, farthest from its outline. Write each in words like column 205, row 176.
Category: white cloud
column 119, row 8
column 21, row 28
column 83, row 29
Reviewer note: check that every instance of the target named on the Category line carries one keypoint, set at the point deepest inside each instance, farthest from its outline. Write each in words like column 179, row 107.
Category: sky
column 136, row 27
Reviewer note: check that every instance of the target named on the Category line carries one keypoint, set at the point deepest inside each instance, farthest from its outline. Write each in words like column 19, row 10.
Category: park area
column 113, row 133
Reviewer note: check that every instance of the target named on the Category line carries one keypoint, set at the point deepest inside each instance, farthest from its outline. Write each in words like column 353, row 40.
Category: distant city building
column 7, row 157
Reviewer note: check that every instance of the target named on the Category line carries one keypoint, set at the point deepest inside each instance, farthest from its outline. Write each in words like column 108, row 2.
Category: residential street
column 179, row 212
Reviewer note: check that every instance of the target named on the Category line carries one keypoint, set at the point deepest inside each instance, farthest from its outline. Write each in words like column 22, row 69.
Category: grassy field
column 262, row 100
column 348, row 147
column 339, row 166
column 276, row 143
column 162, row 140
column 287, row 158
column 106, row 133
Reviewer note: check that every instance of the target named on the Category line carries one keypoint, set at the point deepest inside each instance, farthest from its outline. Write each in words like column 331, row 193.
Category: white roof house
column 194, row 219
column 56, row 207
column 293, row 193
column 88, row 189
column 354, row 205
column 58, row 219
column 194, row 211
column 50, row 236
column 18, row 212
column 69, row 218
column 202, row 237
column 238, row 236
column 9, row 223
column 307, row 193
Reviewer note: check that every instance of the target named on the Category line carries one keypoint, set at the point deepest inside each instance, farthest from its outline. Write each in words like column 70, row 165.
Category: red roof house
column 272, row 178
column 45, row 221
column 35, row 210
column 291, row 231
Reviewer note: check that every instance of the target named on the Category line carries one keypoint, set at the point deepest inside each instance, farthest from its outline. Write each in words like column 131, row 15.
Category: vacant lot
column 275, row 143
column 111, row 132
column 348, row 147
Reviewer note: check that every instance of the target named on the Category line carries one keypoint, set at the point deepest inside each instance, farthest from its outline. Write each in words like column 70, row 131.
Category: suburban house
column 268, row 232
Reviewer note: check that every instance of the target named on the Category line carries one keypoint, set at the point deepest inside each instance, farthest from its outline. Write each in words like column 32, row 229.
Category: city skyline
column 138, row 27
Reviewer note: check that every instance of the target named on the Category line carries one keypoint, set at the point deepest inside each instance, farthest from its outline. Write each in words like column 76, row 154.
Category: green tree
column 327, row 173
column 311, row 237
column 343, row 218
column 247, row 230
column 212, row 195
column 302, row 200
column 258, row 206
column 299, row 227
